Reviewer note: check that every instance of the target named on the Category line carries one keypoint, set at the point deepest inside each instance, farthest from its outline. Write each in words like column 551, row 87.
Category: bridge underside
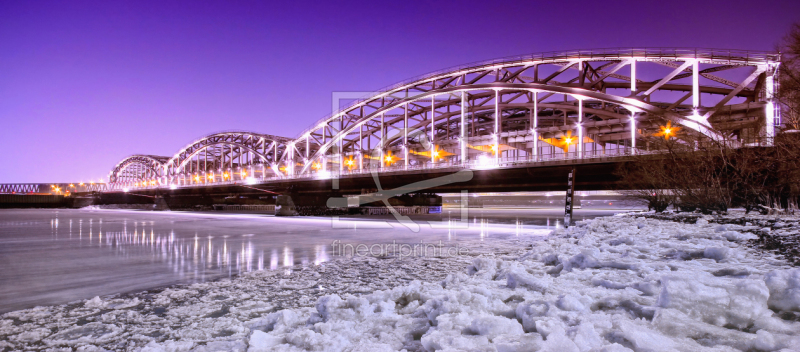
column 599, row 175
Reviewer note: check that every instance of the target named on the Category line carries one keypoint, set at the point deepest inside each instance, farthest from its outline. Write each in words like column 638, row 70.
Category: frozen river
column 57, row 256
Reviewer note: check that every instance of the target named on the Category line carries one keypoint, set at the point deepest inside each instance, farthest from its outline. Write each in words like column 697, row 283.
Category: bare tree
column 688, row 173
column 694, row 172
column 789, row 78
column 649, row 181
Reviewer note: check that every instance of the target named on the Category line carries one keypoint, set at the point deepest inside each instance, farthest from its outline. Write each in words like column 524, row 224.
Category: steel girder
column 511, row 108
column 138, row 168
column 226, row 152
column 591, row 83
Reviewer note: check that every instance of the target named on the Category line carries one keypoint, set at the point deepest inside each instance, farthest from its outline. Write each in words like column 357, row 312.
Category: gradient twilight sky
column 85, row 83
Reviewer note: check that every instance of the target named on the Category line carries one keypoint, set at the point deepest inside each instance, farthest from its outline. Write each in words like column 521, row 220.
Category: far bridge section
column 519, row 124
column 45, row 195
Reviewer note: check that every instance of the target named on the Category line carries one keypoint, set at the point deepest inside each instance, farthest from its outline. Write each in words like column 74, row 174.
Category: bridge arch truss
column 521, row 106
column 526, row 108
column 138, row 170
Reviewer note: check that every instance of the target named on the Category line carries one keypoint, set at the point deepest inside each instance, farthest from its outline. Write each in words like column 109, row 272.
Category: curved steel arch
column 512, row 108
column 632, row 105
column 204, row 148
column 147, row 167
column 663, row 56
column 226, row 151
column 597, row 73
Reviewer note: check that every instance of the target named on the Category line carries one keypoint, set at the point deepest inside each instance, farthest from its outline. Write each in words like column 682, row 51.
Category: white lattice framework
column 522, row 108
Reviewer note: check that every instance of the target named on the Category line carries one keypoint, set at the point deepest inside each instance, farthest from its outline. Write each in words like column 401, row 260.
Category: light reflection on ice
column 186, row 256
column 130, row 250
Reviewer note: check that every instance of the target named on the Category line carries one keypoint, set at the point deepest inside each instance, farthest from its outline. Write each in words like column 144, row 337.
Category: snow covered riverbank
column 610, row 284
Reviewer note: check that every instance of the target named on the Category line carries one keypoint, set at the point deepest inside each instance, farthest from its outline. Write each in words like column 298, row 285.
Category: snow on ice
column 610, row 284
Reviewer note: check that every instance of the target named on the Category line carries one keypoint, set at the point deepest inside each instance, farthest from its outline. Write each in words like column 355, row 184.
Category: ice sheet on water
column 609, row 284
column 629, row 298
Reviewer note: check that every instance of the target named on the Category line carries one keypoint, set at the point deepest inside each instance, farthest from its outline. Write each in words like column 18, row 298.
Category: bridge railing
column 588, row 156
column 571, row 157
column 51, row 188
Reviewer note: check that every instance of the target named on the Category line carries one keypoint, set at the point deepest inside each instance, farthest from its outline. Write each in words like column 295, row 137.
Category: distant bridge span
column 531, row 112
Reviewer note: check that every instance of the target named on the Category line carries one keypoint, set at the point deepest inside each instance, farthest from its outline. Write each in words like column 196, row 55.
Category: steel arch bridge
column 527, row 109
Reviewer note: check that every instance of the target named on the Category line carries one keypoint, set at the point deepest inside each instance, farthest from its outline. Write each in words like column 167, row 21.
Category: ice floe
column 621, row 283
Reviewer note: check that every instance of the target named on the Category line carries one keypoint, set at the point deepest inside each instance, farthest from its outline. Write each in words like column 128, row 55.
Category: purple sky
column 84, row 84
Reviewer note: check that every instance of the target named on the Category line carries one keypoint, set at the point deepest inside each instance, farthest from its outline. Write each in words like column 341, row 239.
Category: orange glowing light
column 350, row 163
column 315, row 166
column 668, row 131
column 389, row 159
column 197, row 178
column 567, row 139
column 225, row 175
column 438, row 153
column 491, row 148
column 564, row 141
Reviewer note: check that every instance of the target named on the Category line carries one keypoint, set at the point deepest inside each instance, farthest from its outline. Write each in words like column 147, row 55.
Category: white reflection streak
column 273, row 260
column 288, row 257
column 249, row 252
column 225, row 252
column 321, row 255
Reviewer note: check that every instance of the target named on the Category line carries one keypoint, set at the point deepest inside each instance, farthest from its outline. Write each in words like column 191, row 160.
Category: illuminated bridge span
column 506, row 113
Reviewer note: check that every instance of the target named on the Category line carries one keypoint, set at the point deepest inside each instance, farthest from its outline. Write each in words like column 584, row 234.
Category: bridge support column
column 772, row 113
column 341, row 152
column 275, row 157
column 696, row 85
column 361, row 148
column 633, row 133
column 290, row 159
column 580, row 128
column 405, row 137
column 497, row 126
column 433, row 130
column 463, row 132
column 383, row 140
column 535, row 125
